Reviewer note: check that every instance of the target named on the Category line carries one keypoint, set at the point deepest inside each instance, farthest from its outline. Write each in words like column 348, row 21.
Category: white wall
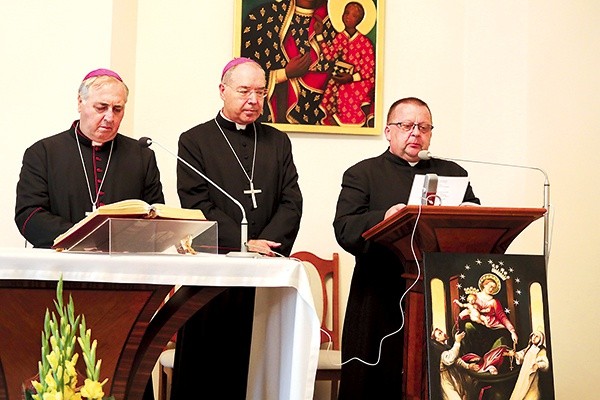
column 508, row 81
column 46, row 51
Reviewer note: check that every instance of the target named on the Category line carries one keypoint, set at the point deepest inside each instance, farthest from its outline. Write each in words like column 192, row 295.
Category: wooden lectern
column 441, row 229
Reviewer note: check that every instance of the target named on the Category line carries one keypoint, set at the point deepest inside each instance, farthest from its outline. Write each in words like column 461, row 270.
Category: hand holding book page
column 450, row 190
column 134, row 220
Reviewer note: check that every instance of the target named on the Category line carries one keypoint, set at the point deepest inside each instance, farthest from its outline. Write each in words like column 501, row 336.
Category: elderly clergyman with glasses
column 253, row 163
column 372, row 190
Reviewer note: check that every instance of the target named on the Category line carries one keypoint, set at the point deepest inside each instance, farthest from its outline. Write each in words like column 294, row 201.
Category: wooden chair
column 324, row 280
column 165, row 373
column 166, row 362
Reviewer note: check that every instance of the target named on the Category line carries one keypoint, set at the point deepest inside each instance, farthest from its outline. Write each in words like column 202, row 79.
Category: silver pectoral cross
column 252, row 192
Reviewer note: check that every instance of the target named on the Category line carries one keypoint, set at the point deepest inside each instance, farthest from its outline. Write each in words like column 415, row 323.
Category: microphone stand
column 425, row 155
column 243, row 224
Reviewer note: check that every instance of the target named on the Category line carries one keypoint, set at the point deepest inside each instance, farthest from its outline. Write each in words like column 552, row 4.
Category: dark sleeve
column 32, row 216
column 470, row 196
column 284, row 224
column 353, row 215
column 152, row 186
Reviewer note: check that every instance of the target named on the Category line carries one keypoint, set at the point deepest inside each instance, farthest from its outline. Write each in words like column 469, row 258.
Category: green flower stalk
column 57, row 367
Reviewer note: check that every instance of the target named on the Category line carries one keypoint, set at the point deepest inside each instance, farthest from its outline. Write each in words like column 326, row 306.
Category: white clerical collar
column 239, row 127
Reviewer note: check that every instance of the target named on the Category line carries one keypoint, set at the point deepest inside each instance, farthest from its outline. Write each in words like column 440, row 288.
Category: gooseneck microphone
column 426, row 155
column 146, row 142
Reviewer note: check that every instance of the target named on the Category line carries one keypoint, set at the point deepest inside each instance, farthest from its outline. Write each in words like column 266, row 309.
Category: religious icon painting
column 324, row 72
column 488, row 327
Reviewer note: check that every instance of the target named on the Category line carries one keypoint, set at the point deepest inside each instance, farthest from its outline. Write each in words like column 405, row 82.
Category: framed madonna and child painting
column 488, row 324
column 323, row 60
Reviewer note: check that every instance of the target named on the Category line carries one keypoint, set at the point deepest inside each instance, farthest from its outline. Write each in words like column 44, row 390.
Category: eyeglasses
column 245, row 92
column 407, row 126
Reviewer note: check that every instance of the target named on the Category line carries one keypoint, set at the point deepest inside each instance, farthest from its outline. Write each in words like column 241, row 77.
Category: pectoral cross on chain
column 252, row 192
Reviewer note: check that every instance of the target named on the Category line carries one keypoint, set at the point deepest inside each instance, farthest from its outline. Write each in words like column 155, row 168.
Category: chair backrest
column 324, row 280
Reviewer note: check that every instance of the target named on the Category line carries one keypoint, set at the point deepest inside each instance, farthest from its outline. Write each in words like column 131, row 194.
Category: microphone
column 146, row 142
column 426, row 155
column 429, row 191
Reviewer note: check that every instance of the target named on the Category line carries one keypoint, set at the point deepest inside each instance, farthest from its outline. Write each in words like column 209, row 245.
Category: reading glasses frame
column 246, row 92
column 407, row 126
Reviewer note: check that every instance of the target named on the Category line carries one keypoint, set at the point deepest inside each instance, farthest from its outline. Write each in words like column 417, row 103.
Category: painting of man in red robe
column 303, row 45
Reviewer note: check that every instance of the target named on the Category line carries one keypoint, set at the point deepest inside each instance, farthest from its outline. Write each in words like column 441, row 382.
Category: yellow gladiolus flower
column 92, row 389
column 70, row 371
column 59, row 356
column 70, row 394
column 49, row 379
column 53, row 395
column 53, row 359
column 37, row 386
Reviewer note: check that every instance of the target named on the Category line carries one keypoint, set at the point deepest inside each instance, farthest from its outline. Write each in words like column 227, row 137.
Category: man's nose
column 109, row 115
column 253, row 97
column 414, row 131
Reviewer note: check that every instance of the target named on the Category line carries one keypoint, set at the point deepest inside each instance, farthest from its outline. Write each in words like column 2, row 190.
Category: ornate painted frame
column 490, row 364
column 313, row 102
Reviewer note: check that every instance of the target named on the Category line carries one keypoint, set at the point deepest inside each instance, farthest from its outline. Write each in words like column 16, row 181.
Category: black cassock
column 213, row 348
column 52, row 193
column 369, row 189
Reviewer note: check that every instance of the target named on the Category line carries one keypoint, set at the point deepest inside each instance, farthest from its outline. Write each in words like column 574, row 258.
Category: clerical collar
column 84, row 139
column 399, row 160
column 239, row 127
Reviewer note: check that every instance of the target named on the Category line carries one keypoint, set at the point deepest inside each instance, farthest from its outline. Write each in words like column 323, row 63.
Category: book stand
column 140, row 235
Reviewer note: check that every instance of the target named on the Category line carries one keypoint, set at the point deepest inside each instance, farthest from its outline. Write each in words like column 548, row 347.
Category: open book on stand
column 136, row 224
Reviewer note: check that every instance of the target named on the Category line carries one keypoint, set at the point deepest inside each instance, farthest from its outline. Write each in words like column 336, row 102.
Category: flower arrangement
column 58, row 377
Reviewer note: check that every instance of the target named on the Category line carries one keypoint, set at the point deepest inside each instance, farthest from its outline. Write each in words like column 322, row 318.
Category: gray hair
column 96, row 82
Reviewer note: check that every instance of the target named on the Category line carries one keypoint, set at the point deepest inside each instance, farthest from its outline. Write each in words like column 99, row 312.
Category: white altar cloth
column 285, row 339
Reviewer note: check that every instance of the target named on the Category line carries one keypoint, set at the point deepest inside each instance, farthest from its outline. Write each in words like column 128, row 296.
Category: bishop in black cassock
column 279, row 204
column 69, row 174
column 214, row 346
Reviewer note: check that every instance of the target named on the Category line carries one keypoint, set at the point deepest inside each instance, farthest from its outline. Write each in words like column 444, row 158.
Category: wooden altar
column 119, row 296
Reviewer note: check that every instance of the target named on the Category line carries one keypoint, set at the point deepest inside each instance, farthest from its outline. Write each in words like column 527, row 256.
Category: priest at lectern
column 72, row 173
column 373, row 190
